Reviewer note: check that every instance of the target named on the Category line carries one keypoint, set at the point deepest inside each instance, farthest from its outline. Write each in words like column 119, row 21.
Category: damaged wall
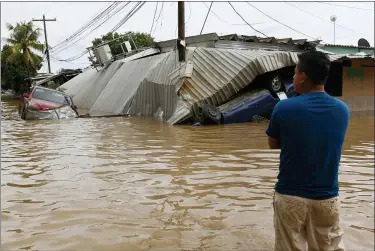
column 159, row 86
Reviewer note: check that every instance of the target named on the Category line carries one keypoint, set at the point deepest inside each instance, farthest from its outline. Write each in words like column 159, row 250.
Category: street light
column 333, row 19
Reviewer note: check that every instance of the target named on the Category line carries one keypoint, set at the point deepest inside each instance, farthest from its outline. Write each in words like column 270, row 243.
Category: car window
column 50, row 96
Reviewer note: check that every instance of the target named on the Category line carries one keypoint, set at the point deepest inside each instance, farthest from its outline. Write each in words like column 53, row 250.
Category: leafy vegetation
column 140, row 40
column 20, row 57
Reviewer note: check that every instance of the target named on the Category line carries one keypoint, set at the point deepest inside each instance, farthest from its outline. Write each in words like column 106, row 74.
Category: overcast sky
column 352, row 22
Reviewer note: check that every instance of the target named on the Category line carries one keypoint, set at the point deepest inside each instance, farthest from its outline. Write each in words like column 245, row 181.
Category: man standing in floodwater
column 310, row 131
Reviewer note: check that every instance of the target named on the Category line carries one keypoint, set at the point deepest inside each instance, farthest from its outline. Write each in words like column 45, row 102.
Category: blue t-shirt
column 311, row 129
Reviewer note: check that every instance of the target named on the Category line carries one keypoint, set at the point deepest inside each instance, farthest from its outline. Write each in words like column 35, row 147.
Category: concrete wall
column 358, row 85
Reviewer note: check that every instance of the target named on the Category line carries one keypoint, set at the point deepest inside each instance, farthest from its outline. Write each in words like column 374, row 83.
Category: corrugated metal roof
column 218, row 74
column 335, row 57
column 149, row 86
column 118, row 93
column 87, row 86
column 145, row 53
column 156, row 95
column 348, row 46
column 78, row 87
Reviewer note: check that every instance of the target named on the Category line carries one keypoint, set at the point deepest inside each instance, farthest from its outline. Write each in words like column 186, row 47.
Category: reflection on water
column 135, row 183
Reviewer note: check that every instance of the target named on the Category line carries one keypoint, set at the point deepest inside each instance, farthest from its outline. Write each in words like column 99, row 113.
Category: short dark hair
column 315, row 65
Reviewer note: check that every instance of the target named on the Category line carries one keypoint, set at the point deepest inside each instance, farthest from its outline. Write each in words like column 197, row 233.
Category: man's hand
column 273, row 143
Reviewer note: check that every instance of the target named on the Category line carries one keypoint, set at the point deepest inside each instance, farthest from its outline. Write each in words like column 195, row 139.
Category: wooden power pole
column 181, row 31
column 44, row 20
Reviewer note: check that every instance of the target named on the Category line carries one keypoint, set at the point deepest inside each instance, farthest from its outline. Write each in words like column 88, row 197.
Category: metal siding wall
column 119, row 92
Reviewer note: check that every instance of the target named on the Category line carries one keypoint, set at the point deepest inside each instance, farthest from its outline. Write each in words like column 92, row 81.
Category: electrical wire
column 157, row 20
column 129, row 15
column 153, row 20
column 135, row 9
column 323, row 18
column 113, row 14
column 67, row 45
column 280, row 22
column 91, row 19
column 78, row 56
column 88, row 24
column 345, row 6
column 208, row 12
column 246, row 21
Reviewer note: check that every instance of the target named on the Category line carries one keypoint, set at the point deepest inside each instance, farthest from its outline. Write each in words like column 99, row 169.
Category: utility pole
column 181, row 31
column 44, row 20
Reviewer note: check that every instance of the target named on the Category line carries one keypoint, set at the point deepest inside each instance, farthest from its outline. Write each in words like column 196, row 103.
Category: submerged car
column 251, row 106
column 45, row 103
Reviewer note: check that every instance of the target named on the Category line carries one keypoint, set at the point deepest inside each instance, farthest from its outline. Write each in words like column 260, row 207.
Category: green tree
column 140, row 40
column 19, row 55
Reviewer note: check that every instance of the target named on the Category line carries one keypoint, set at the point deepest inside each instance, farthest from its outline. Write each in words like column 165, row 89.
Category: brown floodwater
column 136, row 184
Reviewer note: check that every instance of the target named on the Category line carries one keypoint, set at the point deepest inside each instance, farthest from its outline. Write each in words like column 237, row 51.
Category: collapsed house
column 153, row 82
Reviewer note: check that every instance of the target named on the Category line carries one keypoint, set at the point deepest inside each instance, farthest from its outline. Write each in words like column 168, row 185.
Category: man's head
column 311, row 72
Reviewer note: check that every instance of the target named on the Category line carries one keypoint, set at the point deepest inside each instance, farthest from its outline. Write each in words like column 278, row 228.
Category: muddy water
column 135, row 184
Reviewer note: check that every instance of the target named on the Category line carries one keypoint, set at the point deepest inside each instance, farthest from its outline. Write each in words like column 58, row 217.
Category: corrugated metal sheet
column 118, row 93
column 78, row 87
column 348, row 46
column 159, row 86
column 335, row 57
column 226, row 44
column 145, row 53
column 219, row 74
column 87, row 86
column 156, row 95
column 102, row 79
column 182, row 113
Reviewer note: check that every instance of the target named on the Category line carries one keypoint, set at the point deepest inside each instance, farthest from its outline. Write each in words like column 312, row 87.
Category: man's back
column 311, row 131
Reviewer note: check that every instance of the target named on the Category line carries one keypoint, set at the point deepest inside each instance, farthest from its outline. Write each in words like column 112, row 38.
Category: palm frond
column 9, row 41
column 34, row 35
column 36, row 46
column 9, row 26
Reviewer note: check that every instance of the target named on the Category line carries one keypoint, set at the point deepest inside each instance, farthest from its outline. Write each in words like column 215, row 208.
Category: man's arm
column 273, row 130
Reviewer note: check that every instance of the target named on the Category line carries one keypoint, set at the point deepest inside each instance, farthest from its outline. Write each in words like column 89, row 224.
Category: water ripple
column 136, row 183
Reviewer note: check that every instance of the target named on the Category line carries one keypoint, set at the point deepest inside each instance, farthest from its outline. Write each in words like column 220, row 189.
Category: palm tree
column 24, row 45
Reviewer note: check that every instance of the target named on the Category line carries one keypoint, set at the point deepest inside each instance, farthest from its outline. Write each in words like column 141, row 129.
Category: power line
column 153, row 20
column 135, row 9
column 208, row 12
column 279, row 21
column 66, row 45
column 157, row 20
column 88, row 24
column 72, row 58
column 345, row 6
column 246, row 21
column 112, row 15
column 127, row 17
column 323, row 18
column 220, row 17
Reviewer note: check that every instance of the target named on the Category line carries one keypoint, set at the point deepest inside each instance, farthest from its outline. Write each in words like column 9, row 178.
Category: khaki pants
column 301, row 222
